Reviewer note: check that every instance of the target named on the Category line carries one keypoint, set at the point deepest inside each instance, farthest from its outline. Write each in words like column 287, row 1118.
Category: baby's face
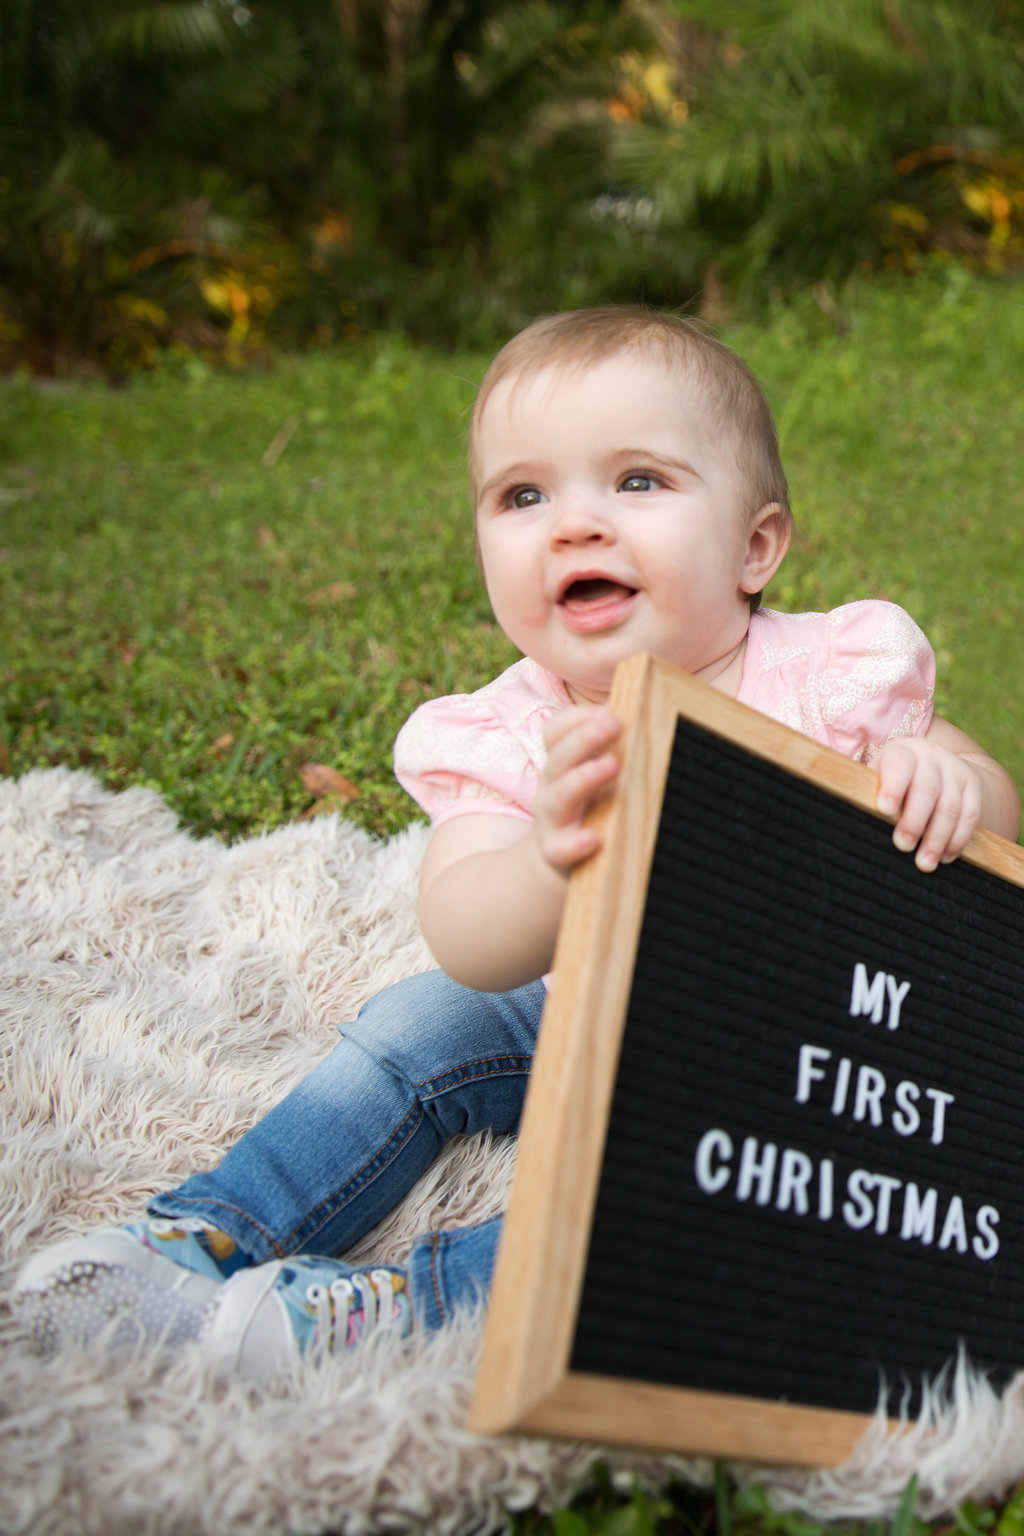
column 611, row 519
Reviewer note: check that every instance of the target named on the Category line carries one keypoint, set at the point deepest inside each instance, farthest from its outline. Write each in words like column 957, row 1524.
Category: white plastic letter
column 751, row 1169
column 858, row 1210
column 954, row 1228
column 918, row 1214
column 825, row 1182
column 865, row 998
column 986, row 1243
column 842, row 1085
column 808, row 1071
column 795, row 1172
column 940, row 1100
column 711, row 1178
column 887, row 1187
column 896, row 996
column 906, row 1119
column 868, row 1094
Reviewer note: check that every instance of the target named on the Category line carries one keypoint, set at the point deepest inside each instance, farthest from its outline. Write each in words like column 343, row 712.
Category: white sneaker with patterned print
column 146, row 1281
column 264, row 1319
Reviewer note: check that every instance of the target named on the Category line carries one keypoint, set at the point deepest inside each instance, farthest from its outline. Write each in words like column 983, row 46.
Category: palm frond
column 802, row 132
column 177, row 29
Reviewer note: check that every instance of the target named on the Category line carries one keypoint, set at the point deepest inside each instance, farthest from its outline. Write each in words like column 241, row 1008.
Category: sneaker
column 149, row 1280
column 265, row 1318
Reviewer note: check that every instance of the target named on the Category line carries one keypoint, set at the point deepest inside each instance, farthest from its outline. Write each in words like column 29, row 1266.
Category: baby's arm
column 943, row 785
column 493, row 887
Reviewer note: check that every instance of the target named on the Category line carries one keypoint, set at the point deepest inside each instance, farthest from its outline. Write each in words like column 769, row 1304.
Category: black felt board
column 765, row 894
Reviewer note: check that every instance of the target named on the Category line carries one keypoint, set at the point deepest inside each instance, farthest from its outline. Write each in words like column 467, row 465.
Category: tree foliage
column 175, row 170
column 115, row 207
column 209, row 174
column 823, row 137
column 441, row 131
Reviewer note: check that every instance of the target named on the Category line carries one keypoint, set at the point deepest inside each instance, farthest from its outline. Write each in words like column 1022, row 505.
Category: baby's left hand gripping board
column 771, row 1158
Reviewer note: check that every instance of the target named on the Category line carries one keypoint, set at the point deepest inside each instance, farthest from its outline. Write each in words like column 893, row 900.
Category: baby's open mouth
column 592, row 589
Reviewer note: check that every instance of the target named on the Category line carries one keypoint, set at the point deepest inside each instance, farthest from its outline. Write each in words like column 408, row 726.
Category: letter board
column 772, row 1150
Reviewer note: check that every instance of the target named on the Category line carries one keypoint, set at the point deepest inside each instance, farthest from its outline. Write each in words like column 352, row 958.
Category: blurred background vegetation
column 227, row 178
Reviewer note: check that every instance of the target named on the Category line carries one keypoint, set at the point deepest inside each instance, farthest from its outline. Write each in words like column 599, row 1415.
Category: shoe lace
column 355, row 1305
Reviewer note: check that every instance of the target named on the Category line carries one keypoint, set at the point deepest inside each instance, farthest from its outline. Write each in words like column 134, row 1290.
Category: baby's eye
column 525, row 496
column 639, row 482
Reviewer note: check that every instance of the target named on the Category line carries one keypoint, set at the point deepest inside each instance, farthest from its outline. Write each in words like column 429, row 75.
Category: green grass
column 183, row 608
column 175, row 612
column 178, row 610
column 901, row 438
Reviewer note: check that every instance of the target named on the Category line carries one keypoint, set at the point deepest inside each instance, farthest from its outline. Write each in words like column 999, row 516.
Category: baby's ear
column 768, row 539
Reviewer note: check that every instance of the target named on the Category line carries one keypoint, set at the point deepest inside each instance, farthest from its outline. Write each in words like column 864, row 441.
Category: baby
column 629, row 497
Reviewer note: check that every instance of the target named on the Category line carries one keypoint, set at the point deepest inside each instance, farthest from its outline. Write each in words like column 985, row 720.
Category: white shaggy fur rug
column 157, row 994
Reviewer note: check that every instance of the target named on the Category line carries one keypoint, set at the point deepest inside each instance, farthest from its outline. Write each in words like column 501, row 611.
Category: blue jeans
column 424, row 1061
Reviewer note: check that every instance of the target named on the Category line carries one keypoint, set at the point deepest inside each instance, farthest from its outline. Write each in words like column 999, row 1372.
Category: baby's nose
column 580, row 519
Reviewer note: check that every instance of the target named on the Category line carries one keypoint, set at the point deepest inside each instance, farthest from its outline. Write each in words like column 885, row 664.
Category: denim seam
column 225, row 1205
column 385, row 1155
column 375, row 1166
column 434, row 1279
column 434, row 1087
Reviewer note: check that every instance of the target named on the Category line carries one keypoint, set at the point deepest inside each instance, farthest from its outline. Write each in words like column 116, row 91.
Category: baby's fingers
column 565, row 847
column 579, row 769
column 937, row 801
column 941, row 836
column 956, row 814
column 574, row 734
column 896, row 767
column 579, row 764
column 563, row 803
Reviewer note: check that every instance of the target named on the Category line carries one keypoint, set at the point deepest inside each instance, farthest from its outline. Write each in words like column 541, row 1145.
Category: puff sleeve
column 853, row 678
column 479, row 752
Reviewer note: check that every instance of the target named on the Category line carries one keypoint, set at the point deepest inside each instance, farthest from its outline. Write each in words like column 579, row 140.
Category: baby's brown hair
column 581, row 338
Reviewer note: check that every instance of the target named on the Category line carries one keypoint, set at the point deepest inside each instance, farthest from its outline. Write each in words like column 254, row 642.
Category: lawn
column 207, row 581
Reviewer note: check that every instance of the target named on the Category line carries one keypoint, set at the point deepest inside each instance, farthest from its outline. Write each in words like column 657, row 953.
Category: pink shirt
column 851, row 679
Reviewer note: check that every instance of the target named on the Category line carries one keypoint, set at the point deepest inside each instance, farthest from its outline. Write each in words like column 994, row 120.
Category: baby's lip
column 593, row 603
column 583, row 587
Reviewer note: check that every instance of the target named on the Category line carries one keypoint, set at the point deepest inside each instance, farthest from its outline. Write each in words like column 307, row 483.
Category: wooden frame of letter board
column 525, row 1384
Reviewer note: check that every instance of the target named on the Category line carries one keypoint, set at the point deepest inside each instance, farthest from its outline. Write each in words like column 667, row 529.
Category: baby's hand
column 579, row 769
column 936, row 794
